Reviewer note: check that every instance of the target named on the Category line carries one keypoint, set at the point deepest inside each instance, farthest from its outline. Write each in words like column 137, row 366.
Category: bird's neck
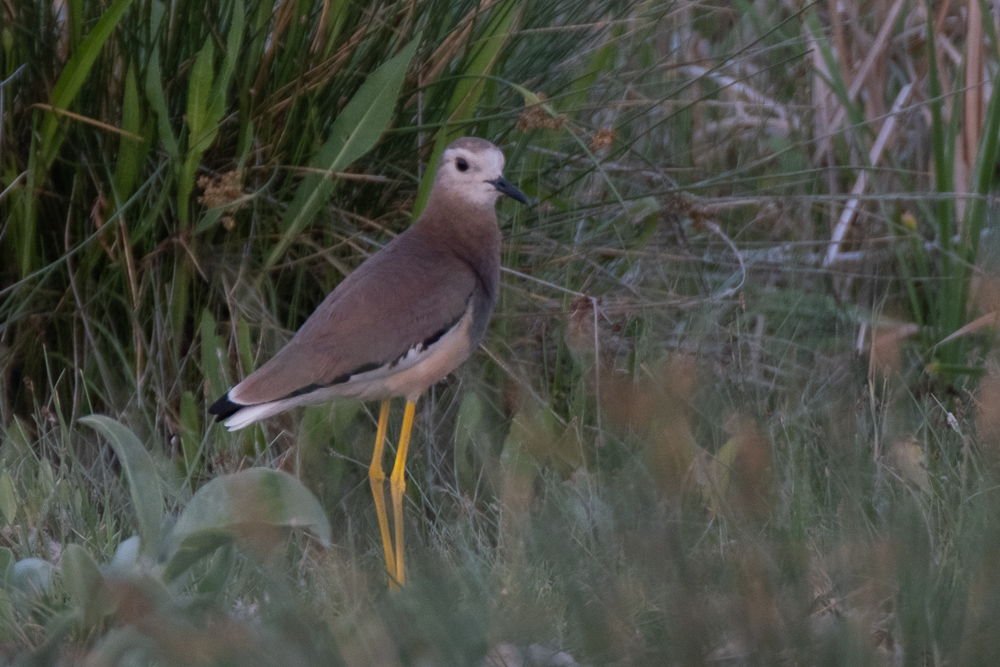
column 454, row 219
column 468, row 231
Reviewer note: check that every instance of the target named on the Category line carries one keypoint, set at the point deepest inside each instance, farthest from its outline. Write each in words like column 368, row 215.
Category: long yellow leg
column 397, row 482
column 377, row 478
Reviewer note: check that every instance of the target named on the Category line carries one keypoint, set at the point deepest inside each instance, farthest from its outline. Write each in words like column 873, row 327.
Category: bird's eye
column 461, row 164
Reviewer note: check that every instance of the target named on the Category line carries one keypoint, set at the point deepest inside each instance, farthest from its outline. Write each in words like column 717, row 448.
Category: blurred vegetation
column 738, row 403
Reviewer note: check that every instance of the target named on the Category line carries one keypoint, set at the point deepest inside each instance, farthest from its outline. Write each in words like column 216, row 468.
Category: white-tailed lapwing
column 400, row 322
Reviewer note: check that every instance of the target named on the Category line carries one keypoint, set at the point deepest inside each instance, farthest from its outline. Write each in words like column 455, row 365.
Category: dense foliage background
column 738, row 403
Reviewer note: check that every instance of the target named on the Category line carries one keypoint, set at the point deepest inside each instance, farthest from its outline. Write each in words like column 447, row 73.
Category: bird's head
column 471, row 169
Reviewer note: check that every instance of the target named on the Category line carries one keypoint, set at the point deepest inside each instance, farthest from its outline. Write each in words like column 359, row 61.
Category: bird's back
column 350, row 333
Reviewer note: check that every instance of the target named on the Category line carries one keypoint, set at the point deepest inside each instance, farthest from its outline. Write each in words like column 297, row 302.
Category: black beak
column 504, row 187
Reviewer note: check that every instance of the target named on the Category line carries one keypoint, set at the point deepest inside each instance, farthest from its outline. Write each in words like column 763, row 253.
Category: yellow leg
column 377, row 478
column 397, row 482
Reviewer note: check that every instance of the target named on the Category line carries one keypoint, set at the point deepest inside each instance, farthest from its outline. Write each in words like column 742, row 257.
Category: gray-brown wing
column 407, row 293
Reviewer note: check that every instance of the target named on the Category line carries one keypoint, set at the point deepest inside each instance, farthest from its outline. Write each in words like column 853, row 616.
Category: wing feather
column 405, row 295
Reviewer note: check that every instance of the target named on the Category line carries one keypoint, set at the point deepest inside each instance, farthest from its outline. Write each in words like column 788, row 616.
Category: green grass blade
column 131, row 153
column 206, row 106
column 154, row 93
column 213, row 358
column 983, row 177
column 233, row 42
column 9, row 500
column 465, row 98
column 199, row 93
column 190, row 435
column 74, row 74
column 356, row 130
column 179, row 300
column 201, row 130
column 836, row 81
column 244, row 348
column 75, row 23
column 983, row 173
column 947, row 312
column 25, row 232
column 913, row 263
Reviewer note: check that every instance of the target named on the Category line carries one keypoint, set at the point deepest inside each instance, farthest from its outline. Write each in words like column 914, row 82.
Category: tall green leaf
column 131, row 152
column 213, row 356
column 154, row 93
column 944, row 182
column 356, row 130
column 199, row 93
column 74, row 74
column 9, row 500
column 45, row 145
column 982, row 179
column 190, row 436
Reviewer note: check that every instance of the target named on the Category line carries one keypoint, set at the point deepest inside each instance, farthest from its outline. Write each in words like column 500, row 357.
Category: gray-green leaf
column 144, row 483
column 246, row 505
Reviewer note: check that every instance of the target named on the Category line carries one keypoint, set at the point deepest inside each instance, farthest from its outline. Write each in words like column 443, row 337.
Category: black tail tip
column 224, row 408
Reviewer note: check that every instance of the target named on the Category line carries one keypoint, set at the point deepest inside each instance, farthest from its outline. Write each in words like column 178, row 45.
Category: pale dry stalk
column 874, row 156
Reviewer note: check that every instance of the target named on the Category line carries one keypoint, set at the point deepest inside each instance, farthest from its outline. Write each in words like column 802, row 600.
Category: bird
column 402, row 321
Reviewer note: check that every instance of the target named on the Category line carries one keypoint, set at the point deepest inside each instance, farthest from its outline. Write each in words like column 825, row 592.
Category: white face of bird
column 472, row 169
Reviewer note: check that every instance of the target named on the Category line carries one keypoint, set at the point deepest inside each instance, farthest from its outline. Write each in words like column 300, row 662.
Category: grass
column 737, row 404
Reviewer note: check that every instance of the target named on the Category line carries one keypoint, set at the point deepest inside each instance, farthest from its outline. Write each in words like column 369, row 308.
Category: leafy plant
column 938, row 280
column 169, row 558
